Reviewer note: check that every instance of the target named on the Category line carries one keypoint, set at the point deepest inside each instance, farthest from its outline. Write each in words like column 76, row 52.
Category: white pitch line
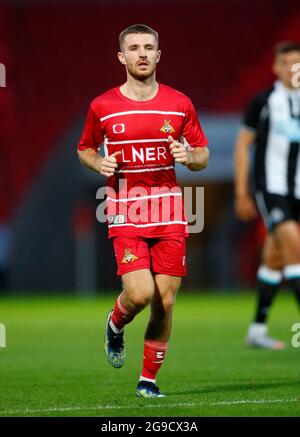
column 122, row 407
column 250, row 401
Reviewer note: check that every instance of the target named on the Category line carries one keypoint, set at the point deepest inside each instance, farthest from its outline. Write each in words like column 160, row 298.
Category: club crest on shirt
column 129, row 257
column 167, row 127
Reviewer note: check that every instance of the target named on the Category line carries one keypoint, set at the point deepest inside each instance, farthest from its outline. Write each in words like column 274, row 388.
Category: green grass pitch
column 54, row 364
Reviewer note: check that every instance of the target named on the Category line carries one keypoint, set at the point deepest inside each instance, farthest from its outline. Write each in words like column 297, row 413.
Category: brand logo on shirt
column 118, row 128
column 129, row 257
column 144, row 154
column 116, row 219
column 167, row 128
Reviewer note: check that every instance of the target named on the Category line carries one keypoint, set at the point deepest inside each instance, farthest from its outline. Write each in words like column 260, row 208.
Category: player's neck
column 140, row 90
column 288, row 86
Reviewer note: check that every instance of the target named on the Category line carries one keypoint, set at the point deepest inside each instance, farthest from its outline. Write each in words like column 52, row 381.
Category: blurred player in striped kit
column 272, row 123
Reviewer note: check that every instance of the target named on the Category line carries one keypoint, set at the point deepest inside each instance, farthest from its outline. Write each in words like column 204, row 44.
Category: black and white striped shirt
column 274, row 115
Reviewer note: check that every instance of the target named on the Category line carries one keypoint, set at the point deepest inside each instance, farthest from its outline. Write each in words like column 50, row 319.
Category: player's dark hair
column 286, row 47
column 137, row 28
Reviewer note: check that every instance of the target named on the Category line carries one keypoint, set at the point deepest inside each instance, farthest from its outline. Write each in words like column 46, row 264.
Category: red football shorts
column 165, row 255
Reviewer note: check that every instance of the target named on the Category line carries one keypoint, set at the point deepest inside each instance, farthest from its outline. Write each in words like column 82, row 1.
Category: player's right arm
column 106, row 166
column 87, row 149
column 245, row 208
column 244, row 203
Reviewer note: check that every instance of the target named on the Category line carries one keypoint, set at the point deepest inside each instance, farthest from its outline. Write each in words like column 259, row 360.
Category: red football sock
column 120, row 315
column 154, row 354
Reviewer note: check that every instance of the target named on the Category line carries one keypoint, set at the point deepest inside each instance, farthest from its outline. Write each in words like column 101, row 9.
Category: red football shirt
column 143, row 196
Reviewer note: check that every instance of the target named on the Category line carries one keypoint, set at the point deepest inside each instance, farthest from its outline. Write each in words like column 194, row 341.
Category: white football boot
column 257, row 337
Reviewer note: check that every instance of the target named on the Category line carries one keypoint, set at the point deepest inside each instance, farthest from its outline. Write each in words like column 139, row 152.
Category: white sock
column 257, row 329
column 270, row 276
column 114, row 328
column 291, row 271
column 142, row 378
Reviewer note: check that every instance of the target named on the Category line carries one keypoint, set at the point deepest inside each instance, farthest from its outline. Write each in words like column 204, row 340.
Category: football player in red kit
column 145, row 128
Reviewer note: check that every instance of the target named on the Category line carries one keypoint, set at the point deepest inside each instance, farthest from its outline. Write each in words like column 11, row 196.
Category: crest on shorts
column 167, row 127
column 128, row 257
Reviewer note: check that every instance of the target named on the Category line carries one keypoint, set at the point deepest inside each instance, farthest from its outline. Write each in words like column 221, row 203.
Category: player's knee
column 168, row 302
column 273, row 261
column 272, row 257
column 293, row 251
column 140, row 297
column 140, row 302
column 289, row 238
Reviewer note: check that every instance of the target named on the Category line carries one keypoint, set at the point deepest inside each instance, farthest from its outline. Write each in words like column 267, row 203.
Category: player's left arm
column 194, row 159
column 194, row 153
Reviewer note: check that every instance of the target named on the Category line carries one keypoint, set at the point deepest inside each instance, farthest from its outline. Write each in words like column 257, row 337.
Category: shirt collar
column 290, row 92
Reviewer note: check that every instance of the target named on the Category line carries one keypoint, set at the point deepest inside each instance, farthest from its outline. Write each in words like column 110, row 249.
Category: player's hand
column 179, row 151
column 109, row 164
column 245, row 208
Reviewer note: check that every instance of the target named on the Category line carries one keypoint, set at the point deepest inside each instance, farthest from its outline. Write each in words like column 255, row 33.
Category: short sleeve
column 253, row 112
column 92, row 136
column 192, row 130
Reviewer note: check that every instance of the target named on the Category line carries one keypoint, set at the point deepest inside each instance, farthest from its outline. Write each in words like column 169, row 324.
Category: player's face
column 283, row 67
column 140, row 55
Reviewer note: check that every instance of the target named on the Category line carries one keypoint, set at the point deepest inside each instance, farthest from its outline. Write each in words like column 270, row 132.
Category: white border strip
column 153, row 140
column 145, row 169
column 105, row 146
column 154, row 196
column 160, row 405
column 175, row 222
column 116, row 114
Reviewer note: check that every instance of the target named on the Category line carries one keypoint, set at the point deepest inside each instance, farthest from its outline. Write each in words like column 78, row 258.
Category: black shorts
column 276, row 209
